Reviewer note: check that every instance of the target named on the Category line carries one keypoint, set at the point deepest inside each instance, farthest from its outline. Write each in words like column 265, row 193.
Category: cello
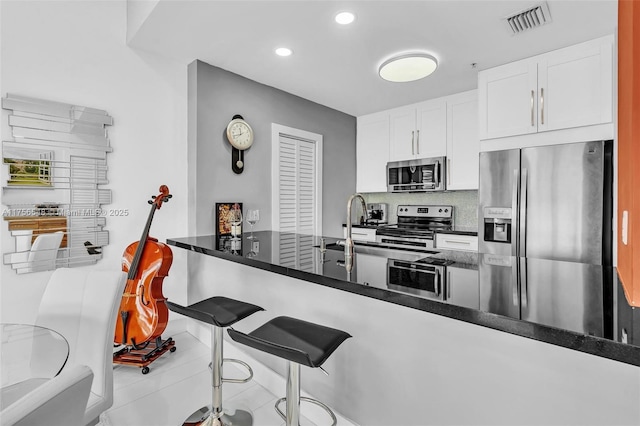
column 143, row 309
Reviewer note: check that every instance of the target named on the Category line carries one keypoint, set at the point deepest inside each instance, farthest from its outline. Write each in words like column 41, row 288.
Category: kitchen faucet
column 348, row 244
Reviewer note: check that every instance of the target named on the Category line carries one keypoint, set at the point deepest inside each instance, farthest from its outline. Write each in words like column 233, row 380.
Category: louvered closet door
column 297, row 201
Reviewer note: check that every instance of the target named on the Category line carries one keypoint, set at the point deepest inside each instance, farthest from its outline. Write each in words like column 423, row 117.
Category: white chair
column 60, row 401
column 82, row 305
column 44, row 251
column 23, row 240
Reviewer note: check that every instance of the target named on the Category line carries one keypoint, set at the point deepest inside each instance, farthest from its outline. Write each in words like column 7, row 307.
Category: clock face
column 240, row 134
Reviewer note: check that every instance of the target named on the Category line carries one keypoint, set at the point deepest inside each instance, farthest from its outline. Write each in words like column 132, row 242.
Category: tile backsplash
column 465, row 204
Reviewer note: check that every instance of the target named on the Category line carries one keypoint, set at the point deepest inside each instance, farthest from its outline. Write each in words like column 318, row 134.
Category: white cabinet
column 575, row 86
column 565, row 88
column 360, row 234
column 446, row 126
column 507, row 100
column 462, row 141
column 372, row 152
column 463, row 287
column 456, row 242
column 418, row 131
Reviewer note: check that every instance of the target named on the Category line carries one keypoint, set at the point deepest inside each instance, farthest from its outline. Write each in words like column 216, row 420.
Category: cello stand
column 144, row 354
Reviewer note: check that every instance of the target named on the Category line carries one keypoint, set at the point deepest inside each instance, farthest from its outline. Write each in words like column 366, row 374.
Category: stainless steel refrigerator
column 568, row 295
column 551, row 202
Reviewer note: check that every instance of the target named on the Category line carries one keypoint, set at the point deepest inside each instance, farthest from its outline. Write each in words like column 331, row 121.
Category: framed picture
column 29, row 167
column 223, row 220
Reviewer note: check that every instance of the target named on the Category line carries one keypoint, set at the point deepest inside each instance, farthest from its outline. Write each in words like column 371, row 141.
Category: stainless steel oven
column 421, row 278
column 416, row 226
column 421, row 175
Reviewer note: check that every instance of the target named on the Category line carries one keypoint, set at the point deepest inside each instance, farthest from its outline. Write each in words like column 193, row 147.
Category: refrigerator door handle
column 515, row 279
column 514, row 213
column 524, row 285
column 522, row 230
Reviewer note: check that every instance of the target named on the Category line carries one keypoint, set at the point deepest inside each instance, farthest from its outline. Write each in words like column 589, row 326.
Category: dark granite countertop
column 562, row 303
column 459, row 230
column 366, row 225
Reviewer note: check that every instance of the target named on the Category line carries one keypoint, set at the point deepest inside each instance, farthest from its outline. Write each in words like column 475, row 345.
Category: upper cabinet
column 446, row 126
column 418, row 131
column 462, row 141
column 372, row 152
column 562, row 89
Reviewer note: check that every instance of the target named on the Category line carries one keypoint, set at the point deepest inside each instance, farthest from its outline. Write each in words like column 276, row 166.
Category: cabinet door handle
column 413, row 151
column 418, row 141
column 542, row 105
column 532, row 100
column 466, row 243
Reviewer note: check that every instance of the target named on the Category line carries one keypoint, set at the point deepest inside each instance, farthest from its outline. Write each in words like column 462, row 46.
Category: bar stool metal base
column 293, row 399
column 204, row 417
column 219, row 416
column 334, row 420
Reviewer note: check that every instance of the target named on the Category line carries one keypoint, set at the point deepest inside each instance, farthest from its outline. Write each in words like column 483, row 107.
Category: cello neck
column 133, row 269
column 156, row 203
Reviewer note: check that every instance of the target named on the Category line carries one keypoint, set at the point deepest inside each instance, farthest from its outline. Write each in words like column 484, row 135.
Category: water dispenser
column 497, row 224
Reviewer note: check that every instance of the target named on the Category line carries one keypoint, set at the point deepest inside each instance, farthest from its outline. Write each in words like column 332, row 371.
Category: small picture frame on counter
column 224, row 219
column 228, row 227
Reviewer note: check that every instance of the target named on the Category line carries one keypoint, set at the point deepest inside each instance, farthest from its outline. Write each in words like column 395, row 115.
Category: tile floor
column 177, row 385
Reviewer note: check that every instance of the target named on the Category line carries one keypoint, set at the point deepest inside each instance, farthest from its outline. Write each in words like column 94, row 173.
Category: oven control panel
column 425, row 211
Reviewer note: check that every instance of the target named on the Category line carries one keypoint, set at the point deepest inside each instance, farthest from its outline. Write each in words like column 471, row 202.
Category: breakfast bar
column 447, row 344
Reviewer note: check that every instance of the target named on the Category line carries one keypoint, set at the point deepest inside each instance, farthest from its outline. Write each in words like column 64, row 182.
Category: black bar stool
column 299, row 342
column 220, row 312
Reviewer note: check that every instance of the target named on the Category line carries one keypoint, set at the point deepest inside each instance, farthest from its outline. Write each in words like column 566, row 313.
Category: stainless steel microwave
column 421, row 175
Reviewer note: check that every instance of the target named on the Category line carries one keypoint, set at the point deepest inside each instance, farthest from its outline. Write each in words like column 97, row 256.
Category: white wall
column 75, row 52
column 408, row 367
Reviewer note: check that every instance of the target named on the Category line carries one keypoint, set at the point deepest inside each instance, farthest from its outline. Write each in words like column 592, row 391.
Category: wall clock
column 240, row 136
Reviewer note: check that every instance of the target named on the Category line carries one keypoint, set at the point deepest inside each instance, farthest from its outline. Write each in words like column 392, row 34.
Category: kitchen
column 160, row 88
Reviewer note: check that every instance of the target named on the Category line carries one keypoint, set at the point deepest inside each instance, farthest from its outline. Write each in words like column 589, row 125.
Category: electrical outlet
column 625, row 227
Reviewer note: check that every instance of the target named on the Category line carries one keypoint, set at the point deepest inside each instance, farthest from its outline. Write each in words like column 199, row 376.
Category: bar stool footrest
column 311, row 400
column 236, row 361
column 242, row 363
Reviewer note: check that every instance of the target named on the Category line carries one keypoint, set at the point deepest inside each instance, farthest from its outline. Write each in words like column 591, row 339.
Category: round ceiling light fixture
column 408, row 67
column 345, row 18
column 283, row 51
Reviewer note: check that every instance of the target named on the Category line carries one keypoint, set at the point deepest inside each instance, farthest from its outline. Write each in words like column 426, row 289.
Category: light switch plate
column 625, row 227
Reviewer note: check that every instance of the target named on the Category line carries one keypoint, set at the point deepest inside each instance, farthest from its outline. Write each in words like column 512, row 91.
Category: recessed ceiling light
column 345, row 18
column 283, row 51
column 409, row 67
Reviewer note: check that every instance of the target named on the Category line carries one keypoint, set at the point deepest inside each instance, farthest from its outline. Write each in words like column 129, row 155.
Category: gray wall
column 215, row 96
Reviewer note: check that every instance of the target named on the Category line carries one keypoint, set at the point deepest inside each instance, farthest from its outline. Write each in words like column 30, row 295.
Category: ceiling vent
column 528, row 19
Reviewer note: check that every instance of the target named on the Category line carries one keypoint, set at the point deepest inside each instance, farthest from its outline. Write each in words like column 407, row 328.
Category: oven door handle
column 425, row 271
